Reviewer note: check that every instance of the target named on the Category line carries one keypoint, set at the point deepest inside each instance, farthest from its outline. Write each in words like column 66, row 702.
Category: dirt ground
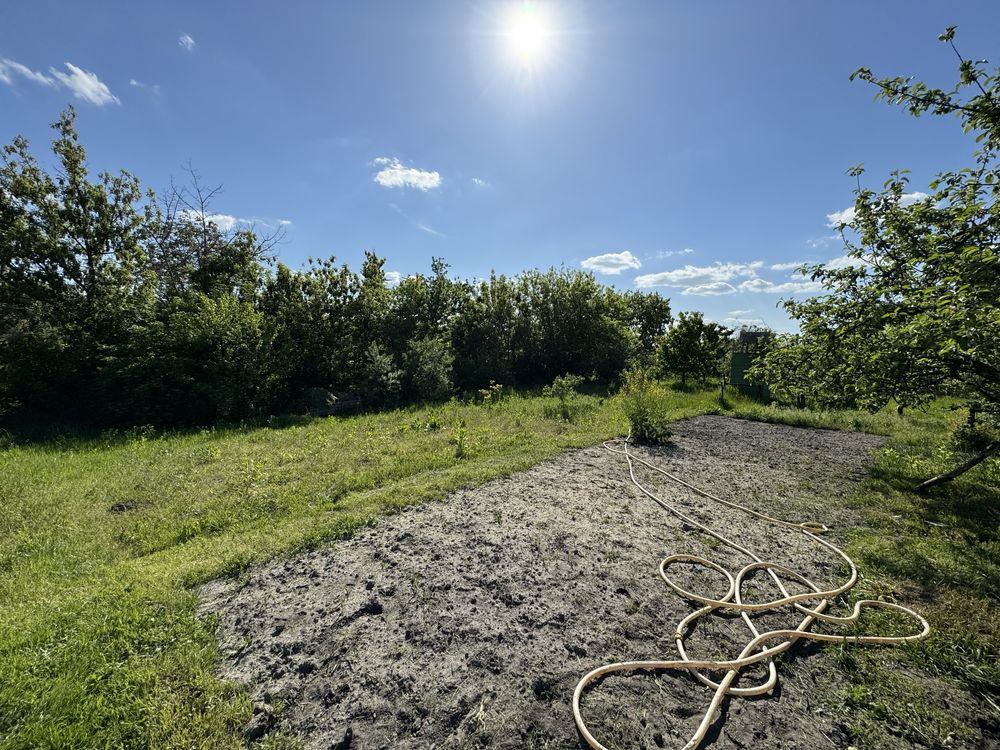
column 468, row 622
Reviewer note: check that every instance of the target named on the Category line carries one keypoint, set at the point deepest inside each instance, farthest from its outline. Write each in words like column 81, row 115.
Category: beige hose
column 733, row 600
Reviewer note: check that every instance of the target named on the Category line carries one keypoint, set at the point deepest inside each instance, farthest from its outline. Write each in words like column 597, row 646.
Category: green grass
column 941, row 554
column 99, row 642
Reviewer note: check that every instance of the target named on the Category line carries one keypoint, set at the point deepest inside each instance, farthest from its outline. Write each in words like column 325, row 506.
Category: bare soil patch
column 467, row 623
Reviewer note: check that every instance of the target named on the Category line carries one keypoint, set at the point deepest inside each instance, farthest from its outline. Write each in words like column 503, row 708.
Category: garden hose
column 758, row 648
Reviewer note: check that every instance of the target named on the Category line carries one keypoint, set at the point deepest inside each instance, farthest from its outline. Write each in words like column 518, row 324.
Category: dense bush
column 647, row 407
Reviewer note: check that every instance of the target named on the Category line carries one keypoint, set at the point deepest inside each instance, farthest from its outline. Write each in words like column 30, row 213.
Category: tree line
column 121, row 307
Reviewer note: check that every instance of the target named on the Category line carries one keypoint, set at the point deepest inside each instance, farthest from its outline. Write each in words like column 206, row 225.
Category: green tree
column 74, row 276
column 693, row 347
column 428, row 368
column 487, row 334
column 648, row 318
column 918, row 312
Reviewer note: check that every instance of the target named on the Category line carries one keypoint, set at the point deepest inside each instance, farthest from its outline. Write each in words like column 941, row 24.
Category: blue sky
column 708, row 141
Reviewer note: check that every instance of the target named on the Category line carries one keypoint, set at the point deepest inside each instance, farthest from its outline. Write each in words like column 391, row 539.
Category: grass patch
column 941, row 554
column 99, row 642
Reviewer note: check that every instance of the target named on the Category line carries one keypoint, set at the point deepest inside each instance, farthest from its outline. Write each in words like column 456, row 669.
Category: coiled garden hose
column 757, row 649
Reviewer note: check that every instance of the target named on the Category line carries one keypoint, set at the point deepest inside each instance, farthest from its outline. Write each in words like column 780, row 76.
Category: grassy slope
column 99, row 645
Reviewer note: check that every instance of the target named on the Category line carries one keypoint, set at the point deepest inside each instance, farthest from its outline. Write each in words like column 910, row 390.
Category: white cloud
column 822, row 241
column 395, row 175
column 85, row 85
column 153, row 88
column 186, row 41
column 714, row 289
column 8, row 68
column 392, row 278
column 788, row 287
column 284, row 222
column 611, row 263
column 224, row 222
column 845, row 261
column 847, row 215
column 908, row 199
column 738, row 313
column 699, row 275
column 663, row 254
column 791, row 266
column 738, row 322
column 480, row 182
column 416, row 222
column 841, row 217
column 425, row 228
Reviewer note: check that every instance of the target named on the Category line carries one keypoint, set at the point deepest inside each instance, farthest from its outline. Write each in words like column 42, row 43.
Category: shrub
column 429, row 363
column 646, row 406
column 380, row 378
column 564, row 388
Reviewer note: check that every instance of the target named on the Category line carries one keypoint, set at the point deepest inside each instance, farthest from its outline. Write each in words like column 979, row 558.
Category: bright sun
column 528, row 34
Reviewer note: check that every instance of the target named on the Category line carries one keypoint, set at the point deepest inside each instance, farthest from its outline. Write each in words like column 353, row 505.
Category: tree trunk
column 988, row 451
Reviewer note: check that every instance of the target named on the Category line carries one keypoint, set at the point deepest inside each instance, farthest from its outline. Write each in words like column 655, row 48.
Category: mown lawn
column 100, row 645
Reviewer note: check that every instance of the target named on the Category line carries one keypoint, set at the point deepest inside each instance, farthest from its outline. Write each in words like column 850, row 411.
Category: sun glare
column 528, row 34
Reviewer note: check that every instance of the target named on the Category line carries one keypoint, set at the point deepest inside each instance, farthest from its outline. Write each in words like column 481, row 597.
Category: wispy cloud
column 84, row 84
column 284, row 222
column 394, row 174
column 664, row 254
column 152, row 88
column 738, row 313
column 479, row 182
column 713, row 289
column 693, row 276
column 848, row 215
column 790, row 266
column 187, row 42
column 426, row 228
column 738, row 322
column 417, row 223
column 764, row 286
column 822, row 241
column 11, row 68
column 611, row 263
column 845, row 261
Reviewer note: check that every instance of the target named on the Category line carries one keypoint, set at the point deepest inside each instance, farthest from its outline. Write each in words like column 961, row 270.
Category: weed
column 646, row 407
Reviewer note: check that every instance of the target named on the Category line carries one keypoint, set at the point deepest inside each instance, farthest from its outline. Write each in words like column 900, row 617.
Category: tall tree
column 918, row 312
column 693, row 347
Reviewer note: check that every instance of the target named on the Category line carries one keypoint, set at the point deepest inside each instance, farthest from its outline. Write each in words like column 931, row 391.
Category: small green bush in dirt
column 647, row 407
column 563, row 388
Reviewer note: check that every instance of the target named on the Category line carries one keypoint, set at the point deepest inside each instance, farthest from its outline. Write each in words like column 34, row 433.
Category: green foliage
column 429, row 363
column 917, row 314
column 647, row 407
column 564, row 388
column 492, row 394
column 380, row 380
column 118, row 307
column 693, row 348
